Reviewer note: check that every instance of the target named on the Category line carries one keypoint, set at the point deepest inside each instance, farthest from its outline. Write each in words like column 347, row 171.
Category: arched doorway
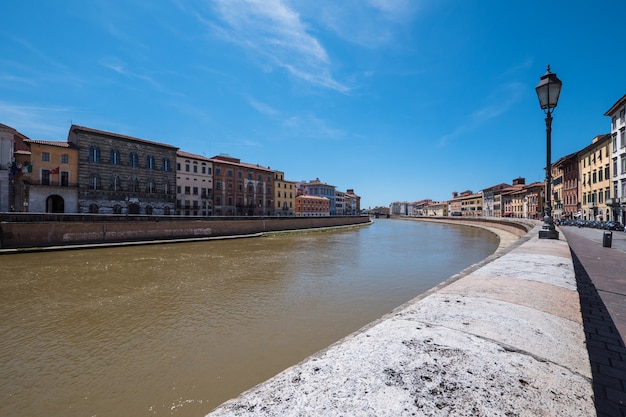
column 133, row 208
column 55, row 204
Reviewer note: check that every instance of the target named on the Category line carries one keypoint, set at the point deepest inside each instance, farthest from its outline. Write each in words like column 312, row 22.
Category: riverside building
column 617, row 202
column 120, row 174
column 194, row 185
column 594, row 164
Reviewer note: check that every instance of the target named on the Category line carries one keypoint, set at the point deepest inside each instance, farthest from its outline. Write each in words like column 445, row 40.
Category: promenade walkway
column 504, row 338
column 601, row 277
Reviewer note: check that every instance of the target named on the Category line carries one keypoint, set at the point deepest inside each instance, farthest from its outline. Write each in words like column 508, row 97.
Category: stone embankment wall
column 503, row 338
column 46, row 231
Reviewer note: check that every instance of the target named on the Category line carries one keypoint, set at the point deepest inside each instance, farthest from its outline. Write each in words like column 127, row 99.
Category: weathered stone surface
column 504, row 340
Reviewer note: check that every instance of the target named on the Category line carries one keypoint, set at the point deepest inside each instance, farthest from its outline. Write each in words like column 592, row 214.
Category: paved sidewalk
column 601, row 279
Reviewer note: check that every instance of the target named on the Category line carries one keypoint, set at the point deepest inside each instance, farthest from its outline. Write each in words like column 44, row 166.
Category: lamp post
column 548, row 91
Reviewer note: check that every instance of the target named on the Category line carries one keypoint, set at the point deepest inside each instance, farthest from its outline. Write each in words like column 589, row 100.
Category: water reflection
column 178, row 329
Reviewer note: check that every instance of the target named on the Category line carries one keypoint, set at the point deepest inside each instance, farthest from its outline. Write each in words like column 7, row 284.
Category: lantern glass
column 548, row 90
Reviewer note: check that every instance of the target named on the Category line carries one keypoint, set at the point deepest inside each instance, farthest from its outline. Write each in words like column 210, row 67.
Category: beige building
column 534, row 200
column 594, row 165
column 50, row 177
column 194, row 185
column 352, row 203
column 436, row 209
column 285, row 195
column 466, row 204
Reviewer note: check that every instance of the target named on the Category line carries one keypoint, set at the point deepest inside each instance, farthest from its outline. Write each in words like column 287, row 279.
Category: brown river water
column 177, row 329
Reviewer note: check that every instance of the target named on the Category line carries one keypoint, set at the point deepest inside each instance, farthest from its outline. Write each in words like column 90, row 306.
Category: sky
column 400, row 100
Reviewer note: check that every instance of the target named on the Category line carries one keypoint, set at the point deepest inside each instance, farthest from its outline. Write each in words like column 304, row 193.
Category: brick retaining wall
column 23, row 234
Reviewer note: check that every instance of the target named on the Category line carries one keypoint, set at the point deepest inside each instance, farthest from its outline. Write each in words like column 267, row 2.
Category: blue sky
column 401, row 100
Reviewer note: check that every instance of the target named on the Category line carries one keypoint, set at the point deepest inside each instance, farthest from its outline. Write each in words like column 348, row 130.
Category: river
column 177, row 329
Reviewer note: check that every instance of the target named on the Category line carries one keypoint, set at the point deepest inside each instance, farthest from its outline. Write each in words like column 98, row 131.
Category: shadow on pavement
column 607, row 353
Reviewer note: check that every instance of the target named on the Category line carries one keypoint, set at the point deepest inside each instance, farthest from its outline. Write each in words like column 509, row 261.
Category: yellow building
column 466, row 204
column 51, row 176
column 285, row 195
column 594, row 164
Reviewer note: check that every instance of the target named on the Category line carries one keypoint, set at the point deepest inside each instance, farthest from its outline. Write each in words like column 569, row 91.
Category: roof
column 619, row 103
column 117, row 135
column 312, row 197
column 184, row 154
column 227, row 159
column 56, row 143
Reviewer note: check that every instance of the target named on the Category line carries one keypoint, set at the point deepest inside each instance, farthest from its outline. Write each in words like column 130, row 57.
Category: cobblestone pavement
column 601, row 278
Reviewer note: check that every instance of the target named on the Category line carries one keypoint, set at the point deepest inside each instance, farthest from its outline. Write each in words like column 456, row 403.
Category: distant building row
column 103, row 172
column 589, row 184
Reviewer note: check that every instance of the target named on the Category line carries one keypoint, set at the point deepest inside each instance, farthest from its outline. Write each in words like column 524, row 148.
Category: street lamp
column 548, row 91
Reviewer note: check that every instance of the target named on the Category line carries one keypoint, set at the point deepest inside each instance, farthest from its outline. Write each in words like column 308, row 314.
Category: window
column 45, row 177
column 622, row 138
column 45, row 156
column 116, row 184
column 133, row 184
column 149, row 162
column 65, row 179
column 94, row 154
column 133, row 159
column 114, row 157
column 65, row 159
column 166, row 165
column 218, row 171
column 195, row 167
column 614, row 142
column 230, row 172
column 150, row 186
column 195, row 190
column 94, row 181
column 166, row 187
column 203, row 168
column 218, row 185
column 615, row 167
column 623, row 164
column 599, row 175
column 187, row 189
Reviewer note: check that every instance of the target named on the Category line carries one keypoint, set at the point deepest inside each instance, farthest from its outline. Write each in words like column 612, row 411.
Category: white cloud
column 276, row 33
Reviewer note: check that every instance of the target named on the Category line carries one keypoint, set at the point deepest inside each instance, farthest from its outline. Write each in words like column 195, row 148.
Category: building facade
column 241, row 189
column 120, row 174
column 594, row 164
column 320, row 189
column 7, row 167
column 50, row 177
column 617, row 200
column 567, row 167
column 352, row 203
column 194, row 185
column 312, row 206
column 491, row 205
column 285, row 195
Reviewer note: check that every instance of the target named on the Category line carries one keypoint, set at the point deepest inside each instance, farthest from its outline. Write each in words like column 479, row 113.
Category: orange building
column 311, row 205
